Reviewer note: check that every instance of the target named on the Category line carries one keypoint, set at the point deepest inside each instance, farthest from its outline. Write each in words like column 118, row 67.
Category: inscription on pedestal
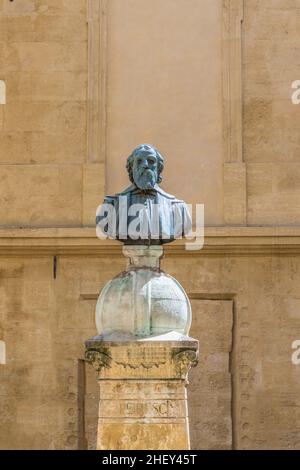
column 142, row 409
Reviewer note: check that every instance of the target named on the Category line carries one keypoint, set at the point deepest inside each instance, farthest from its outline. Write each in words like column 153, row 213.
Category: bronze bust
column 144, row 214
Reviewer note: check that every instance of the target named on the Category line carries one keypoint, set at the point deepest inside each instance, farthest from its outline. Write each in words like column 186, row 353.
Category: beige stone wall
column 46, row 179
column 244, row 392
column 271, row 41
column 78, row 78
column 159, row 91
column 264, row 383
column 45, row 325
column 61, row 114
column 210, row 390
column 73, row 102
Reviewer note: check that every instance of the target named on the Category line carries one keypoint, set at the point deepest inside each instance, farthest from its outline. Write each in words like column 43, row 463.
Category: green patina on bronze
column 144, row 166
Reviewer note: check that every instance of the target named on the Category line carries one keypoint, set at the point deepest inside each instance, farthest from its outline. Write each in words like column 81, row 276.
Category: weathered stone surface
column 93, row 191
column 264, row 385
column 210, row 390
column 271, row 132
column 235, row 211
column 143, row 402
column 44, row 64
column 184, row 94
column 48, row 195
column 177, row 62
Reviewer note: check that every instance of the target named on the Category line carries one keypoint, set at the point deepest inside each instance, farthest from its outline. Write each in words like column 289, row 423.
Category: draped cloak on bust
column 155, row 216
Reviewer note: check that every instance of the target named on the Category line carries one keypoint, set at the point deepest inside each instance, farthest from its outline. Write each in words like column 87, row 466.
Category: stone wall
column 223, row 71
column 244, row 393
column 264, row 382
column 271, row 42
column 46, row 179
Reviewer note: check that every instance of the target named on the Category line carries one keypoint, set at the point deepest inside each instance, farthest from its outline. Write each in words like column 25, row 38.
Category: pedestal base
column 143, row 401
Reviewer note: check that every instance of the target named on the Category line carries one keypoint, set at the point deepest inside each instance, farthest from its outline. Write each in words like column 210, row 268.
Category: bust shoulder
column 168, row 196
column 126, row 191
column 133, row 188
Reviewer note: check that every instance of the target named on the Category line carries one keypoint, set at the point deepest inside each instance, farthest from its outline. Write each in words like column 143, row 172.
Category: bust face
column 145, row 169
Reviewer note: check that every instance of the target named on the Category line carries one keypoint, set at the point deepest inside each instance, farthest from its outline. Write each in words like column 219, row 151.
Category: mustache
column 147, row 171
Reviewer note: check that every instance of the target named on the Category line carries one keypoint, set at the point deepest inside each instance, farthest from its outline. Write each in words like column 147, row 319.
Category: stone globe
column 143, row 302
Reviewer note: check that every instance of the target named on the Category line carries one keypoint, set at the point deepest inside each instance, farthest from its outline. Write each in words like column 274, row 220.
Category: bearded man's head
column 144, row 166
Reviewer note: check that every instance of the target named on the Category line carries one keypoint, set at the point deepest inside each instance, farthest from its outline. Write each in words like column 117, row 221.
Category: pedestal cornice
column 147, row 358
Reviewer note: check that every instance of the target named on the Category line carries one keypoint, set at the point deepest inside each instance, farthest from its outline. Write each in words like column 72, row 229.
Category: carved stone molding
column 144, row 358
column 184, row 360
column 98, row 359
column 218, row 241
column 140, row 365
column 235, row 196
column 97, row 71
column 232, row 79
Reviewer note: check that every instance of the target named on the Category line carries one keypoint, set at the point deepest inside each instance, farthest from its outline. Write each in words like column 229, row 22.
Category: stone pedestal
column 142, row 356
column 143, row 400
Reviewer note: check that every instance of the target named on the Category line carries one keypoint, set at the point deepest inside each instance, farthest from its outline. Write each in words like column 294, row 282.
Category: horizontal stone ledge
column 218, row 241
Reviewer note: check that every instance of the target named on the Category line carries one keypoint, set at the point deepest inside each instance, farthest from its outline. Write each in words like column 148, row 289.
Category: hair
column 135, row 153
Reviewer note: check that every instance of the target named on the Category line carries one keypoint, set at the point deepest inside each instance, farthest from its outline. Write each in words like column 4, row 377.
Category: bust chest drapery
column 137, row 216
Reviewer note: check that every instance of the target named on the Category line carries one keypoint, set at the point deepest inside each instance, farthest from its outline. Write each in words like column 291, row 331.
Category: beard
column 145, row 179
